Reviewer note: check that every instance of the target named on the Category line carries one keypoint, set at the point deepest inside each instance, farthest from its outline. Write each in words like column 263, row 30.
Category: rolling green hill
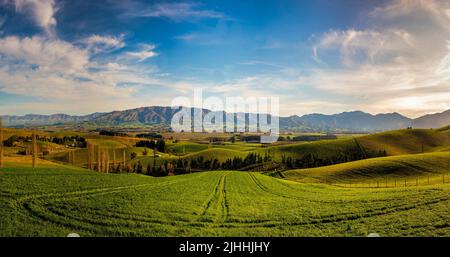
column 392, row 167
column 219, row 153
column 407, row 141
column 185, row 147
column 321, row 149
column 400, row 142
column 56, row 200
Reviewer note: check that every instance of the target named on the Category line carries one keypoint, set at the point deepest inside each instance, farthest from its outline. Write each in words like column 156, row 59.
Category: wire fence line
column 391, row 182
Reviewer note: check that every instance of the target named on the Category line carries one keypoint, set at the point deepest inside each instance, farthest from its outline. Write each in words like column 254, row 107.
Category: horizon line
column 282, row 116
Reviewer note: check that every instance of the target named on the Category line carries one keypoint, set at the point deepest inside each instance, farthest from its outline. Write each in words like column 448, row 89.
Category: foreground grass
column 55, row 200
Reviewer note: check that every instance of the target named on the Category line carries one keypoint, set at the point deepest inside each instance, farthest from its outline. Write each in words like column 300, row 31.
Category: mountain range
column 355, row 121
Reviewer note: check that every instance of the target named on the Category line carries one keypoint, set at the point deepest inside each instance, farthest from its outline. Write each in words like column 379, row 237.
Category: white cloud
column 43, row 67
column 68, row 77
column 145, row 51
column 97, row 43
column 46, row 54
column 428, row 11
column 59, row 87
column 58, row 72
column 365, row 45
column 42, row 11
column 402, row 56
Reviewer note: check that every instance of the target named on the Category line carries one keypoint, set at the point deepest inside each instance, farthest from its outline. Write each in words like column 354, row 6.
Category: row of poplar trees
column 99, row 158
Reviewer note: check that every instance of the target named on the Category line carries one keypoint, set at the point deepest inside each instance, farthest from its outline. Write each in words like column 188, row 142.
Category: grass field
column 409, row 141
column 55, row 200
column 399, row 142
column 220, row 154
column 183, row 148
column 412, row 166
column 326, row 148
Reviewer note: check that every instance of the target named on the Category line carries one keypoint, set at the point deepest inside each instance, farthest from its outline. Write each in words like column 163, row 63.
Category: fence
column 392, row 182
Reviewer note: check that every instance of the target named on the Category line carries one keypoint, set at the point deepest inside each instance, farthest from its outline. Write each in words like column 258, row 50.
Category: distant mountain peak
column 352, row 121
column 435, row 120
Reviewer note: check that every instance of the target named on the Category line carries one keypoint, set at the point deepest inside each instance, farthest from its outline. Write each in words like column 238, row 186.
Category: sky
column 80, row 57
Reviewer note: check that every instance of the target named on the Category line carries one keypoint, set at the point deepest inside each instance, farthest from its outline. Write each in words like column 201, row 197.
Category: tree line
column 74, row 141
column 159, row 145
column 112, row 133
column 188, row 165
column 311, row 160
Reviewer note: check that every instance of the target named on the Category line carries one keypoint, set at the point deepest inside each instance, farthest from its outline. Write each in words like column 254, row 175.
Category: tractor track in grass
column 299, row 191
column 283, row 183
column 35, row 207
column 214, row 213
column 369, row 213
column 261, row 186
column 217, row 205
column 341, row 217
column 44, row 211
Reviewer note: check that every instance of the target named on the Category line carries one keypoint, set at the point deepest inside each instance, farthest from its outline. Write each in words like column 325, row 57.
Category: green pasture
column 57, row 200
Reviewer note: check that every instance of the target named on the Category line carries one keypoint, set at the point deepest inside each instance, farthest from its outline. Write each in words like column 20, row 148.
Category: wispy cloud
column 97, row 43
column 222, row 33
column 187, row 37
column 264, row 63
column 174, row 11
column 361, row 46
column 145, row 51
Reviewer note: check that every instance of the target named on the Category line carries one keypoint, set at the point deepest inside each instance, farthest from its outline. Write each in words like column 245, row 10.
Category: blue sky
column 79, row 57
